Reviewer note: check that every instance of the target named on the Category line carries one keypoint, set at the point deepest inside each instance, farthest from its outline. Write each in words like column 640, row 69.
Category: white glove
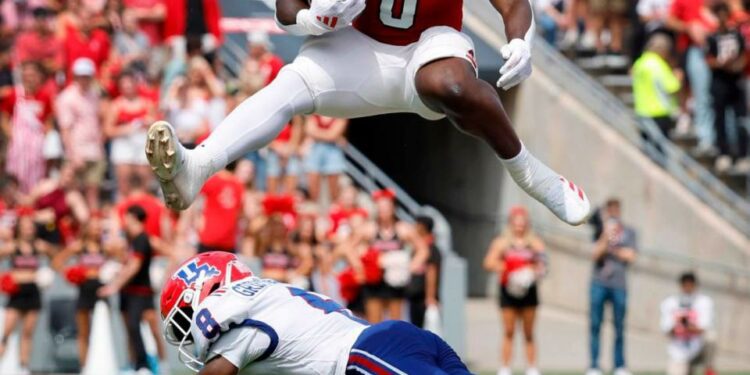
column 325, row 16
column 336, row 14
column 517, row 67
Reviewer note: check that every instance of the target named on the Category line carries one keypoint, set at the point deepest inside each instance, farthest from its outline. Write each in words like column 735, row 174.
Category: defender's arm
column 219, row 366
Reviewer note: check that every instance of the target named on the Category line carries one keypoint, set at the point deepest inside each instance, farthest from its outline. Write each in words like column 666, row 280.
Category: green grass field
column 543, row 372
column 581, row 372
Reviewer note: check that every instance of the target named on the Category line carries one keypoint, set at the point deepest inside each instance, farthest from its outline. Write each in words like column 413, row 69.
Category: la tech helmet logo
column 190, row 272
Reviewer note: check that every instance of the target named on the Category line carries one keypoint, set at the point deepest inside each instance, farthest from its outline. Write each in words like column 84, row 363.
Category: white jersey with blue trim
column 267, row 327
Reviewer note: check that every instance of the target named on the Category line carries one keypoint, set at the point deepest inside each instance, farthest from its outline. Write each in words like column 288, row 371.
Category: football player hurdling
column 370, row 58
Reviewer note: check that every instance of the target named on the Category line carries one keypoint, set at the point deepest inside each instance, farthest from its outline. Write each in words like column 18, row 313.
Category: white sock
column 563, row 198
column 255, row 122
column 528, row 172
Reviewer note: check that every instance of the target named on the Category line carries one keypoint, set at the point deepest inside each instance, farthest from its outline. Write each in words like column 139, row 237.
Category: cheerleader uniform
column 92, row 261
column 28, row 297
column 515, row 258
column 383, row 244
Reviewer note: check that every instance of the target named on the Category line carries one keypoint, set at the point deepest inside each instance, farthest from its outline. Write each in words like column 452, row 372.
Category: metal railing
column 701, row 182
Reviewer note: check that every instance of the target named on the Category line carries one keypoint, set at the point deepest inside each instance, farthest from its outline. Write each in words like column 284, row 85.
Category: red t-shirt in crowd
column 270, row 66
column 40, row 100
column 32, row 46
column 95, row 46
column 154, row 30
column 153, row 207
column 221, row 211
column 285, row 135
column 690, row 11
column 176, row 21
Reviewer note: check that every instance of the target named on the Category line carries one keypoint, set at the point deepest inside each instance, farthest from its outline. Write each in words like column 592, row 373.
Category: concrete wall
column 650, row 281
column 563, row 133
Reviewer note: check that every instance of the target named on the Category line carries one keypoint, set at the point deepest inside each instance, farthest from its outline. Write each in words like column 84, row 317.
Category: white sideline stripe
column 382, row 362
column 357, row 368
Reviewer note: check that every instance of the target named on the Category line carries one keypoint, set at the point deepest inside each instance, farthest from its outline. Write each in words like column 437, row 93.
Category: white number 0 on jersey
column 405, row 21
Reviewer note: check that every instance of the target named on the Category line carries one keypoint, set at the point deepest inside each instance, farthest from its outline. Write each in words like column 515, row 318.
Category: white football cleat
column 504, row 371
column 180, row 177
column 577, row 208
column 566, row 200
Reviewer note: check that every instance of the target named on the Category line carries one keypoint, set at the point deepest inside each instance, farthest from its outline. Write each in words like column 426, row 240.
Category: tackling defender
column 223, row 320
column 399, row 56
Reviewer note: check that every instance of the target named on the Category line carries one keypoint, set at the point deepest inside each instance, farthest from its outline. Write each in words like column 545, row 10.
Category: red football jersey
column 401, row 22
column 221, row 211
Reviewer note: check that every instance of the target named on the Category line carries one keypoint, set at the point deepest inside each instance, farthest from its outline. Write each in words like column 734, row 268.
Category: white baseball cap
column 84, row 67
column 261, row 38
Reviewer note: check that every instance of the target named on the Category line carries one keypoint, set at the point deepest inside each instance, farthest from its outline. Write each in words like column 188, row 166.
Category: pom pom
column 8, row 285
column 75, row 275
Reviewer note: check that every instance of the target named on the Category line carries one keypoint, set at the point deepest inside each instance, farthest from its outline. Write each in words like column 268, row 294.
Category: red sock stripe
column 334, row 21
column 368, row 364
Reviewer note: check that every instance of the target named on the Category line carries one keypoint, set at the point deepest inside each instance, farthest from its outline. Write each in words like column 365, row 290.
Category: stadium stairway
column 616, row 78
column 686, row 218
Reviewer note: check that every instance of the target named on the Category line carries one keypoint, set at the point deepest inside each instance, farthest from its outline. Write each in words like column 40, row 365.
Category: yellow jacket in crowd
column 654, row 86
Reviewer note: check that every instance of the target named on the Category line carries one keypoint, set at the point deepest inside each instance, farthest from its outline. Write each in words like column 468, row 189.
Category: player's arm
column 518, row 18
column 219, row 366
column 236, row 349
column 287, row 10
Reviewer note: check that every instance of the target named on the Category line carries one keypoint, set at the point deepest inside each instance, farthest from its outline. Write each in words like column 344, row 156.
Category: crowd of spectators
column 81, row 81
column 689, row 63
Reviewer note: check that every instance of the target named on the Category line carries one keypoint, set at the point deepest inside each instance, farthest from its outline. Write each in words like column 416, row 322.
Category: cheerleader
column 25, row 254
column 388, row 242
column 90, row 254
column 517, row 256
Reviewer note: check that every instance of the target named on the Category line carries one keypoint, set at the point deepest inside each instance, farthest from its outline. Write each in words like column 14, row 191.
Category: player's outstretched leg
column 252, row 125
column 450, row 86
